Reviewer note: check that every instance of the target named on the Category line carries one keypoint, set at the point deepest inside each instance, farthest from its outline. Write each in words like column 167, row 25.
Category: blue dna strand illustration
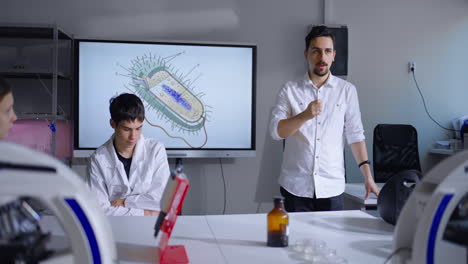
column 169, row 93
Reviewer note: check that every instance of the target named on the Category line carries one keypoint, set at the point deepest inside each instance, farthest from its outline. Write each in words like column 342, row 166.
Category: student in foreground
column 128, row 173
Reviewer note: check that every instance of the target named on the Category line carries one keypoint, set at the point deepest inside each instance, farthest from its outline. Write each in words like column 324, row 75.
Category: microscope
column 433, row 224
column 28, row 177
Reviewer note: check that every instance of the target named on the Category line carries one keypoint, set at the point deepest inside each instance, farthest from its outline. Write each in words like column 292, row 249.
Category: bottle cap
column 278, row 199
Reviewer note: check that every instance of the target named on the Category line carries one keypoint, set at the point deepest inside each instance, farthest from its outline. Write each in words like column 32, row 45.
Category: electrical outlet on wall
column 411, row 66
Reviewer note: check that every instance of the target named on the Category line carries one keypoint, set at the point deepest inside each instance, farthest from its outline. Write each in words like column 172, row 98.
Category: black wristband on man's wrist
column 364, row 162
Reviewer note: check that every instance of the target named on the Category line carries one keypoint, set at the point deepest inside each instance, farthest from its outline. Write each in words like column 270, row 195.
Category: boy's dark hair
column 5, row 88
column 126, row 107
column 318, row 31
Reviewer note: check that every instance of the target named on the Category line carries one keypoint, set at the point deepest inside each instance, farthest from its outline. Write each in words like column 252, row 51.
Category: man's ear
column 112, row 123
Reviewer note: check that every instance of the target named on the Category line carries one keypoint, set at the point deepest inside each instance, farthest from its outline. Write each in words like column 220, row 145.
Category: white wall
column 384, row 35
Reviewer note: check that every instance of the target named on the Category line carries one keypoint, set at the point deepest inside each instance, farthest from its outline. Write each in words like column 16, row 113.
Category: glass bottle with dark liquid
column 277, row 222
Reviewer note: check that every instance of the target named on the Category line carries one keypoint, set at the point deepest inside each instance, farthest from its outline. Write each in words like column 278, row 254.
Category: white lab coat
column 149, row 173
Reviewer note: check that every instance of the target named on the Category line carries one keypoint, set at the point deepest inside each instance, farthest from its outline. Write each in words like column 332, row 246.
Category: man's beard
column 316, row 72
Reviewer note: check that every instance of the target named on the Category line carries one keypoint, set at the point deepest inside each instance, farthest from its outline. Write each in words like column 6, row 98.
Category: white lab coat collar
column 138, row 154
column 137, row 158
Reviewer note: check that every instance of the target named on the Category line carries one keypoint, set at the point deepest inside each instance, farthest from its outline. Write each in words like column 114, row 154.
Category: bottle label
column 285, row 231
column 279, row 238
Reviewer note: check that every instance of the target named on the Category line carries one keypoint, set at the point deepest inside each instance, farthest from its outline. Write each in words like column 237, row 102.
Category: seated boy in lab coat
column 128, row 173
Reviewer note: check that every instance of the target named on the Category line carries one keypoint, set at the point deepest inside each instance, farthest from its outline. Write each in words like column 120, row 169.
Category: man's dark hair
column 318, row 31
column 126, row 107
column 4, row 88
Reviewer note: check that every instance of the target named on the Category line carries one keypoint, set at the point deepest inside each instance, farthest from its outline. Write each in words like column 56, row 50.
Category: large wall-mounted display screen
column 199, row 98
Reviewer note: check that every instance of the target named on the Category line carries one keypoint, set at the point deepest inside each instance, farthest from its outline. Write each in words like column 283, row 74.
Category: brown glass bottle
column 277, row 224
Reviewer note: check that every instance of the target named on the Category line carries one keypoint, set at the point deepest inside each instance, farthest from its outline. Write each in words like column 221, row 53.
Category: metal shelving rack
column 19, row 32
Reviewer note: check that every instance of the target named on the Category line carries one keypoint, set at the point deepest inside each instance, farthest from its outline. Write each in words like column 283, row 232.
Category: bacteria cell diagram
column 169, row 94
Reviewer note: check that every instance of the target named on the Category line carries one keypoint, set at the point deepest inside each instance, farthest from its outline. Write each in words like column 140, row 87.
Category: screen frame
column 172, row 152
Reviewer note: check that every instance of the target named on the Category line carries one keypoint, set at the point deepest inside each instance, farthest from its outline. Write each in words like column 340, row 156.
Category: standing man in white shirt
column 128, row 173
column 316, row 113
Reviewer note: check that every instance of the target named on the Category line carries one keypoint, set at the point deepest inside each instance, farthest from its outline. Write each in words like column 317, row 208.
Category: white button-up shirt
column 313, row 158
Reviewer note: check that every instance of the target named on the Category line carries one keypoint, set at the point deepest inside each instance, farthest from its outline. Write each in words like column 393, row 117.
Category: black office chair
column 395, row 193
column 395, row 149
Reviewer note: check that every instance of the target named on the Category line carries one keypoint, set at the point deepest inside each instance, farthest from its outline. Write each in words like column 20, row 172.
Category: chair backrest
column 395, row 149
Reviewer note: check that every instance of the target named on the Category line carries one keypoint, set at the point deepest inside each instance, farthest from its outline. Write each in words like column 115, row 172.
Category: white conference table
column 355, row 235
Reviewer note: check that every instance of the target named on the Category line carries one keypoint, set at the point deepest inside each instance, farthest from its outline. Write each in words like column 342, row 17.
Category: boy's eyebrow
column 317, row 48
column 131, row 128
